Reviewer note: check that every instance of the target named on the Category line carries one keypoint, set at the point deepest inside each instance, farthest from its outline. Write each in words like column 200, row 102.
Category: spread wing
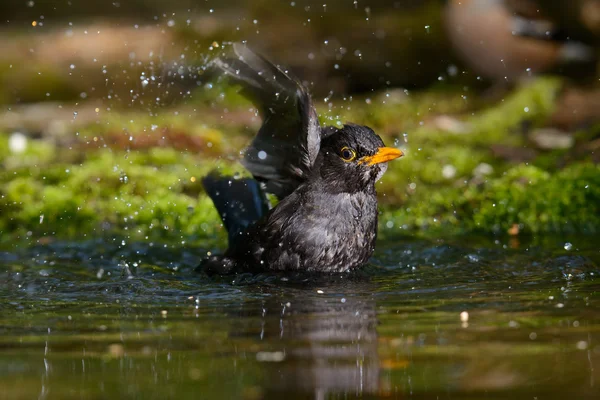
column 286, row 146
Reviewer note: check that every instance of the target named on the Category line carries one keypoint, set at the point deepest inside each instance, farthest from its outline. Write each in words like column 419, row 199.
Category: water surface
column 429, row 319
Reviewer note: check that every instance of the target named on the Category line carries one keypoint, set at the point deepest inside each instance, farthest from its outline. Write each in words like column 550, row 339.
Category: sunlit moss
column 449, row 181
column 528, row 197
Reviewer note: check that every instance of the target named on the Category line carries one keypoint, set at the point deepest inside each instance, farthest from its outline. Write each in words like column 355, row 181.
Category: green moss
column 141, row 194
column 450, row 181
column 534, row 199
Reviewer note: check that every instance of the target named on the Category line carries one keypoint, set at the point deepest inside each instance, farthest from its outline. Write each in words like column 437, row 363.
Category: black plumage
column 326, row 219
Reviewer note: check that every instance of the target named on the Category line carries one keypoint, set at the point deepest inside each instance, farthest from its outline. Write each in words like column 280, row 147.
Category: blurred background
column 346, row 46
column 488, row 97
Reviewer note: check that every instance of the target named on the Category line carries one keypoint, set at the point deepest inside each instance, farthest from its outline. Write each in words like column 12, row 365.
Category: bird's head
column 353, row 158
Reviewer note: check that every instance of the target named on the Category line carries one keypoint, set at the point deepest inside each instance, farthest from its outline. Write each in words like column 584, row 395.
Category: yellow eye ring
column 347, row 154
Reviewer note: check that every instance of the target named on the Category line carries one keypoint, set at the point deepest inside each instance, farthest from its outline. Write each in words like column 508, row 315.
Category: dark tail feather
column 240, row 202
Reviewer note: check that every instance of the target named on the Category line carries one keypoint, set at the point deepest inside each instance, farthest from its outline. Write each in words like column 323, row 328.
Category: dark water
column 106, row 320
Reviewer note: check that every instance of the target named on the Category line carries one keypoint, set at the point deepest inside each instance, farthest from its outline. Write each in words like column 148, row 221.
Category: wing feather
column 286, row 146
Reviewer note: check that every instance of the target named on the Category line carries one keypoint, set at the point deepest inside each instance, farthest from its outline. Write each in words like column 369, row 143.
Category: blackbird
column 324, row 177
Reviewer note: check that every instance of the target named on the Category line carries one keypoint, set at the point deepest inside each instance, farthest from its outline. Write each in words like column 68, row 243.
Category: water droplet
column 262, row 155
column 449, row 171
column 473, row 258
column 452, row 70
column 582, row 345
column 17, row 143
column 568, row 246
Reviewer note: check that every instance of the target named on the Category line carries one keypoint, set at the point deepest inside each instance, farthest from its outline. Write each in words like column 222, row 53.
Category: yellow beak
column 384, row 154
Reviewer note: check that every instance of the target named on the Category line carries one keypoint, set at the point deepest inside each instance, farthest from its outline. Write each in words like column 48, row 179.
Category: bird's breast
column 337, row 232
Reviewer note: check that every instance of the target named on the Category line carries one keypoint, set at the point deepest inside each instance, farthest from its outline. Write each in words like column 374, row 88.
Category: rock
column 551, row 139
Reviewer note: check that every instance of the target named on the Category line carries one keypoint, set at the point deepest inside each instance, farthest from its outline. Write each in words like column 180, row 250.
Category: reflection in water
column 533, row 328
column 330, row 344
column 318, row 340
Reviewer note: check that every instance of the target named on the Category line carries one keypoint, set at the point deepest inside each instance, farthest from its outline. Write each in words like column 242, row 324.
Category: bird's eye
column 347, row 154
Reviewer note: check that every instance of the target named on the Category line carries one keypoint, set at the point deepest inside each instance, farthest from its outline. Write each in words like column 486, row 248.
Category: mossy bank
column 470, row 166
